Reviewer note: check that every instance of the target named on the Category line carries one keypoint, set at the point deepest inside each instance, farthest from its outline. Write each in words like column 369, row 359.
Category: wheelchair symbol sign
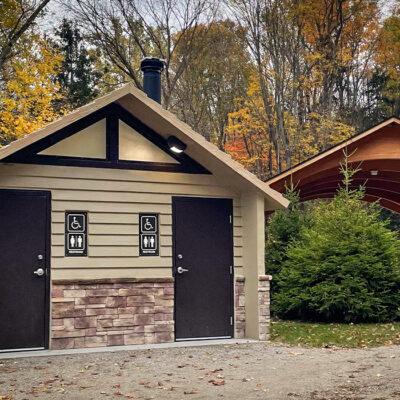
column 148, row 223
column 76, row 238
column 148, row 234
column 76, row 223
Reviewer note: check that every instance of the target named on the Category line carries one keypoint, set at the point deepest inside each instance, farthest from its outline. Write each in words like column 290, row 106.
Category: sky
column 56, row 12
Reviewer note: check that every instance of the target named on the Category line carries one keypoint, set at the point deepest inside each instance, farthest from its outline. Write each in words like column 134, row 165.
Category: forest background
column 271, row 82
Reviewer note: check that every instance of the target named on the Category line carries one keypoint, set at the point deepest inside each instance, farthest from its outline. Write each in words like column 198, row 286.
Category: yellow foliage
column 337, row 34
column 388, row 55
column 317, row 134
column 248, row 137
column 10, row 12
column 29, row 91
column 247, row 140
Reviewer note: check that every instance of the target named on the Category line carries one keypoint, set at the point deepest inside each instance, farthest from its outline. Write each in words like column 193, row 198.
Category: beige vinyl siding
column 114, row 199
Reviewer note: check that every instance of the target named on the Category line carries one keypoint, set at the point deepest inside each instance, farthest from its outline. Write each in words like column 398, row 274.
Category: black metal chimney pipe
column 152, row 68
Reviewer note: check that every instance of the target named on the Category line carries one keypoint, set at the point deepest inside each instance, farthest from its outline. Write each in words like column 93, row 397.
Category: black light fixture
column 176, row 145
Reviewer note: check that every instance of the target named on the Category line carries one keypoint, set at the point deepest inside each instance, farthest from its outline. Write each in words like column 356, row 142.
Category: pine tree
column 78, row 78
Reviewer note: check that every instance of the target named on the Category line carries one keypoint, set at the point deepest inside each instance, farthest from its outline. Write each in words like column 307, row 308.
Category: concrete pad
column 111, row 349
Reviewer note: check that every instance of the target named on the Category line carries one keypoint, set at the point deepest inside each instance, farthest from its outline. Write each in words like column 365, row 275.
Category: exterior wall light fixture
column 176, row 145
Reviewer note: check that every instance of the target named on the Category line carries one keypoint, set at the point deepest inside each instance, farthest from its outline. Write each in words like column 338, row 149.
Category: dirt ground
column 245, row 371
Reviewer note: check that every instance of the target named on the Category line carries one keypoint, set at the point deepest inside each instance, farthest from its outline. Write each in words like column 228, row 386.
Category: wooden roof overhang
column 376, row 152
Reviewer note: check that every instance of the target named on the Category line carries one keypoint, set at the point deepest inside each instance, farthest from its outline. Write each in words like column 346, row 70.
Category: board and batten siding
column 114, row 199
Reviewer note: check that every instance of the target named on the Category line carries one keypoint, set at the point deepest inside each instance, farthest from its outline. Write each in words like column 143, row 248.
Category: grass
column 340, row 335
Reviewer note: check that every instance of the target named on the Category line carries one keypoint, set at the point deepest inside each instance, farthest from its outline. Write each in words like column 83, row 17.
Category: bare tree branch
column 128, row 30
column 29, row 11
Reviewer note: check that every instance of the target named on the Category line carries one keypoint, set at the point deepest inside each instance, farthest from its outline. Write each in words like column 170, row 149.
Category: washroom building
column 120, row 225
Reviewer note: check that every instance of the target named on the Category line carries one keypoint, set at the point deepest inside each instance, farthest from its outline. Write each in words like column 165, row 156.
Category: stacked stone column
column 264, row 319
column 240, row 311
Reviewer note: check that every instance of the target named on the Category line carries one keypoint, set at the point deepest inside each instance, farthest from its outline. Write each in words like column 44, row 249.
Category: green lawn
column 342, row 335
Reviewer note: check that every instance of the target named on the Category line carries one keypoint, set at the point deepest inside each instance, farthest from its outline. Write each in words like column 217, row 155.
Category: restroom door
column 24, row 268
column 203, row 268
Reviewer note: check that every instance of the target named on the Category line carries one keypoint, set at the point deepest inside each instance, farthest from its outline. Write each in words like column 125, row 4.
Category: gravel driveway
column 245, row 371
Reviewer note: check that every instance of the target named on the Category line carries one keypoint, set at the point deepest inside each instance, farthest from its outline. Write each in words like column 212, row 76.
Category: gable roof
column 164, row 123
column 334, row 149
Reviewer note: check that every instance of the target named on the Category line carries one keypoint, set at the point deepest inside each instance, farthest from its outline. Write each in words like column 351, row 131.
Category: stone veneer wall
column 240, row 311
column 111, row 313
column 134, row 311
column 263, row 304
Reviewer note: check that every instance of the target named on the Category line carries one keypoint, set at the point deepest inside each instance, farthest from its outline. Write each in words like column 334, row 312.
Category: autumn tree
column 276, row 83
column 247, row 141
column 340, row 39
column 16, row 18
column 218, row 73
column 28, row 67
column 254, row 16
column 29, row 91
column 383, row 88
column 312, row 60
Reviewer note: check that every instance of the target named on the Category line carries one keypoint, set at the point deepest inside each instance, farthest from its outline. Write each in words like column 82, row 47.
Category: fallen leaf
column 217, row 382
column 216, row 370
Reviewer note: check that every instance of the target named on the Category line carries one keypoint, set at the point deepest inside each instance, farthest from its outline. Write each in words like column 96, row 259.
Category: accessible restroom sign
column 148, row 235
column 76, row 234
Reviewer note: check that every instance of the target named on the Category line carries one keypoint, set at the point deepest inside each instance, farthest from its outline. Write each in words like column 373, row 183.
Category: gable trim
column 112, row 113
column 112, row 138
column 214, row 159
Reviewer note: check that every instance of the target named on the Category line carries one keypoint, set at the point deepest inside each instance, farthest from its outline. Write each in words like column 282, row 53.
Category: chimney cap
column 152, row 64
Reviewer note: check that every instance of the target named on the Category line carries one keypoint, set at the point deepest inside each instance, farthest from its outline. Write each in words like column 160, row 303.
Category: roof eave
column 332, row 150
column 274, row 198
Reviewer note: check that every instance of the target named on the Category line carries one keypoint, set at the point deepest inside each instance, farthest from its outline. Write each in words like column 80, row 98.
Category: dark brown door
column 24, row 233
column 203, row 260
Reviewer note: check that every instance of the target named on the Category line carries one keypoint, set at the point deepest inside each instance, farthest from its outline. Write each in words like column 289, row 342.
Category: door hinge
column 230, row 218
column 231, row 320
column 231, row 269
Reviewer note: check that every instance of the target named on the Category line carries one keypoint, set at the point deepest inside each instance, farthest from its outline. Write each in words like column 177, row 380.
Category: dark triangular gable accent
column 113, row 112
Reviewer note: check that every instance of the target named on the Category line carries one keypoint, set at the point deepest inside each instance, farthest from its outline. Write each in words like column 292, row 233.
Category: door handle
column 181, row 270
column 39, row 272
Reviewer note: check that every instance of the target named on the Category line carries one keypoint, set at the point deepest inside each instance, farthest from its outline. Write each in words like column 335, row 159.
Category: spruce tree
column 344, row 265
column 78, row 77
column 283, row 227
